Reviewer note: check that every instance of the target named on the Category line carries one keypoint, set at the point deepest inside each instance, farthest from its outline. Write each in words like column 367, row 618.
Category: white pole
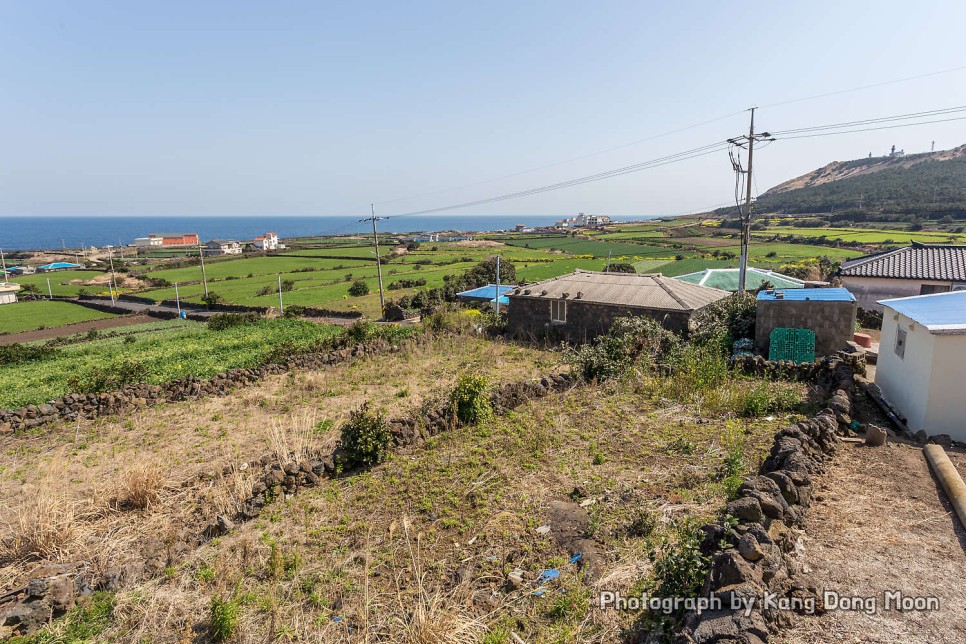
column 4, row 263
column 204, row 277
column 50, row 294
column 113, row 281
column 177, row 299
column 281, row 307
column 498, row 286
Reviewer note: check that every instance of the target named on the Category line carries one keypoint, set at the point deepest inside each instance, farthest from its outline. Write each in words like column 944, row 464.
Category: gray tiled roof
column 623, row 289
column 919, row 261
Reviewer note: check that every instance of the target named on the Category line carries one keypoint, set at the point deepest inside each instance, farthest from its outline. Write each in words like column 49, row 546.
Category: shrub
column 619, row 267
column 99, row 379
column 365, row 437
column 224, row 618
column 19, row 353
column 359, row 288
column 470, row 400
column 294, row 311
column 360, row 332
column 630, row 340
column 726, row 320
column 222, row 321
column 679, row 565
column 212, row 298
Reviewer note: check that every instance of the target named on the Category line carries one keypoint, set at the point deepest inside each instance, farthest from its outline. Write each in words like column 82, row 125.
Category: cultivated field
column 39, row 314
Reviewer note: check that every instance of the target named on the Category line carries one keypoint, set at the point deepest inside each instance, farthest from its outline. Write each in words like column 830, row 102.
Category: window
column 901, row 343
column 929, row 289
column 558, row 311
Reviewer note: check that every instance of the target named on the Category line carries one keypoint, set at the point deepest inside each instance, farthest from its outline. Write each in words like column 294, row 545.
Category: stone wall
column 767, row 507
column 832, row 322
column 528, row 318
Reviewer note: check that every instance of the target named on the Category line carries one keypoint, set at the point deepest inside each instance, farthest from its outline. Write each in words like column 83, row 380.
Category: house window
column 901, row 343
column 929, row 289
column 558, row 311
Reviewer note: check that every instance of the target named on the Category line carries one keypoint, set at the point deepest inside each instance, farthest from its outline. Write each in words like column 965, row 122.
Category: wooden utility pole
column 281, row 306
column 740, row 141
column 375, row 240
column 204, row 277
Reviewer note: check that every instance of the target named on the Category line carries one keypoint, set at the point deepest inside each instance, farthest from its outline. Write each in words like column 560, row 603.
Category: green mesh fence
column 797, row 345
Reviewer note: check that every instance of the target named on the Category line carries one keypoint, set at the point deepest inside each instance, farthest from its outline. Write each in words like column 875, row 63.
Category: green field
column 178, row 349
column 595, row 248
column 792, row 252
column 40, row 314
column 65, row 282
column 867, row 235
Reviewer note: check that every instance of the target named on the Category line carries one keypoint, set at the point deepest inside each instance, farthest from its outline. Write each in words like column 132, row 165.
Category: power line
column 883, row 119
column 870, row 129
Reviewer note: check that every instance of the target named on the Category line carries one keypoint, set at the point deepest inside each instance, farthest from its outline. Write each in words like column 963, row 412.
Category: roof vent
column 579, row 295
column 564, row 295
column 543, row 292
column 527, row 292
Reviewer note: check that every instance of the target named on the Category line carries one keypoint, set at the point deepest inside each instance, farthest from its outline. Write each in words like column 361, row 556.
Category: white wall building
column 217, row 247
column 921, row 368
column 8, row 292
column 148, row 242
column 268, row 241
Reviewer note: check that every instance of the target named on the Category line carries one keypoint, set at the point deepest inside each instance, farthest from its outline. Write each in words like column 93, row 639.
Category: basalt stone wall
column 767, row 506
column 74, row 406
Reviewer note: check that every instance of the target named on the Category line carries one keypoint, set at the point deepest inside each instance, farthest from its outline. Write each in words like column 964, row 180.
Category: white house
column 217, row 247
column 268, row 241
column 8, row 292
column 921, row 368
column 148, row 242
column 919, row 269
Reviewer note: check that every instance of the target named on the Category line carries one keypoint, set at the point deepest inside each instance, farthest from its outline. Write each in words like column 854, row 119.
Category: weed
column 365, row 437
column 140, row 485
column 469, row 399
column 224, row 617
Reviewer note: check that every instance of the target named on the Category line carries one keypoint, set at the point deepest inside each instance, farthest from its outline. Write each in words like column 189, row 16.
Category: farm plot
column 69, row 283
column 40, row 314
column 867, row 235
column 179, row 349
column 595, row 248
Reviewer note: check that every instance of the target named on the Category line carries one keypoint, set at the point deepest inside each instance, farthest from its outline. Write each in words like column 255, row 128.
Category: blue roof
column 810, row 294
column 488, row 292
column 940, row 313
column 60, row 265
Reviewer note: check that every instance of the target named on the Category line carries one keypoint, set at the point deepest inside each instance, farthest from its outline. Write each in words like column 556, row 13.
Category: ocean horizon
column 55, row 232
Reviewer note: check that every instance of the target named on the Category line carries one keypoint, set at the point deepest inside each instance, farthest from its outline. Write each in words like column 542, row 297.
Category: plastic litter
column 548, row 575
column 576, row 557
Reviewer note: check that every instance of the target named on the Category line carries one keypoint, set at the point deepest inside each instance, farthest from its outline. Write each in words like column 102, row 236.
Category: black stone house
column 582, row 305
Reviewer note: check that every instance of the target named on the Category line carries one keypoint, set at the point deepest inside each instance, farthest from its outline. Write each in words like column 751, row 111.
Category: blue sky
column 252, row 108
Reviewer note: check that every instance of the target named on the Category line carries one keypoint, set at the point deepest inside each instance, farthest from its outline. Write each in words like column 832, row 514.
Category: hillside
column 918, row 183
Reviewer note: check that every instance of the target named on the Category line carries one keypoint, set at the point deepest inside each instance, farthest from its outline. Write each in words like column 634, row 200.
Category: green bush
column 630, row 341
column 19, row 353
column 365, row 437
column 470, row 399
column 359, row 288
column 100, row 379
column 726, row 320
column 294, row 311
column 212, row 298
column 224, row 618
column 222, row 321
column 679, row 566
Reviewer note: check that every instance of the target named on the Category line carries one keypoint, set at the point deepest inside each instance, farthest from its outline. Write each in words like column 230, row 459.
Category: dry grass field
column 506, row 527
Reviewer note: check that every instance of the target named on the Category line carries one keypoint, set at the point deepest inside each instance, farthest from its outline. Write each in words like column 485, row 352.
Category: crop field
column 868, row 235
column 595, row 248
column 178, row 349
column 38, row 314
column 794, row 252
column 67, row 282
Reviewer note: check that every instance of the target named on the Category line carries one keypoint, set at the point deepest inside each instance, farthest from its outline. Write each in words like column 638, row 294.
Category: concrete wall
column 529, row 318
column 869, row 290
column 905, row 381
column 946, row 412
column 832, row 322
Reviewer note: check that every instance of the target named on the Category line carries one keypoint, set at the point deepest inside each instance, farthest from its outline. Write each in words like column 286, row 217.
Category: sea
column 51, row 233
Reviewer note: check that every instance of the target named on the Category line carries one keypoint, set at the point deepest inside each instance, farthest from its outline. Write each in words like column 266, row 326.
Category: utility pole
column 746, row 214
column 50, row 293
column 281, row 307
column 113, row 285
column 3, row 262
column 608, row 262
column 498, row 286
column 204, row 278
column 375, row 240
column 177, row 299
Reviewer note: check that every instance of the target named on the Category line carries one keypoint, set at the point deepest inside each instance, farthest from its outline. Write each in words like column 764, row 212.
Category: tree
column 359, row 288
column 621, row 267
column 212, row 298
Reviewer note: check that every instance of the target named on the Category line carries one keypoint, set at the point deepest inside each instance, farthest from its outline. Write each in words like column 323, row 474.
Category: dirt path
column 77, row 327
column 881, row 522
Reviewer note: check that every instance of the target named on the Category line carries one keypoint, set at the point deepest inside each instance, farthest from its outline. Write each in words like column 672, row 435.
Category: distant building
column 584, row 221
column 217, row 247
column 21, row 270
column 919, row 269
column 523, row 228
column 922, row 351
column 58, row 266
column 176, row 239
column 583, row 304
column 148, row 242
column 727, row 279
column 268, row 241
column 426, row 237
column 8, row 292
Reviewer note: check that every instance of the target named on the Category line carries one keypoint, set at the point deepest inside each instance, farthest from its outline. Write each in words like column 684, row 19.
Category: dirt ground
column 77, row 327
column 881, row 523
